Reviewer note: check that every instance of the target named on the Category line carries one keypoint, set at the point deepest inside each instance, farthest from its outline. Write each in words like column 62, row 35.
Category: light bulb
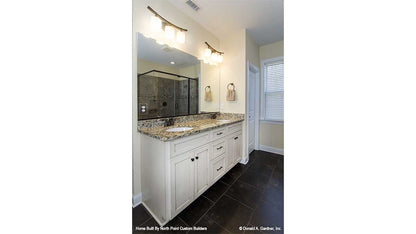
column 207, row 53
column 169, row 32
column 214, row 57
column 156, row 24
column 220, row 58
column 180, row 37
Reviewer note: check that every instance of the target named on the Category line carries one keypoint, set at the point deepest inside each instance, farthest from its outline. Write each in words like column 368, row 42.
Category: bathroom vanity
column 177, row 167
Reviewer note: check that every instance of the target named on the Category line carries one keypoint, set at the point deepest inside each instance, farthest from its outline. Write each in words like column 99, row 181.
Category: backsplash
column 150, row 123
column 230, row 116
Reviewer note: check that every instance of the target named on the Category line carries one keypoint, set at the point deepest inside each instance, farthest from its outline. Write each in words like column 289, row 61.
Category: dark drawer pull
column 219, row 148
column 235, row 138
column 192, row 159
column 219, row 168
column 196, row 158
column 220, row 133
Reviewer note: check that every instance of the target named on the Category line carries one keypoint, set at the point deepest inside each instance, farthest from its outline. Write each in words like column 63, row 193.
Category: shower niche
column 169, row 81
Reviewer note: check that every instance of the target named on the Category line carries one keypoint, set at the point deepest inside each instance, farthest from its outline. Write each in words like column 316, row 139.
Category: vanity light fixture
column 158, row 23
column 212, row 56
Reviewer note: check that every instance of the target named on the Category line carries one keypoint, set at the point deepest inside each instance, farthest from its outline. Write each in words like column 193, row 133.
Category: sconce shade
column 156, row 24
column 214, row 57
column 180, row 37
column 220, row 58
column 169, row 32
column 207, row 53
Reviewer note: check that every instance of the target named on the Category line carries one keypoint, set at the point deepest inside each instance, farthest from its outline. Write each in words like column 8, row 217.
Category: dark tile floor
column 248, row 195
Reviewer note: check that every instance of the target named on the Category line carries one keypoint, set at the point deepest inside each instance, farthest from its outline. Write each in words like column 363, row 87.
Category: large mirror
column 173, row 83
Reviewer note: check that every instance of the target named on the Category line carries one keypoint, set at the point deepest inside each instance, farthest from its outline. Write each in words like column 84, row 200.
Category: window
column 273, row 90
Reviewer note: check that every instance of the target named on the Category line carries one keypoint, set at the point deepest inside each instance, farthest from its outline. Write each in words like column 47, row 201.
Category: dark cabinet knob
column 235, row 138
column 192, row 159
column 196, row 158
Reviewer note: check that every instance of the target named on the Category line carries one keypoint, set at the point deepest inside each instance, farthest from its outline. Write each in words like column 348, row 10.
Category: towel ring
column 209, row 87
column 228, row 86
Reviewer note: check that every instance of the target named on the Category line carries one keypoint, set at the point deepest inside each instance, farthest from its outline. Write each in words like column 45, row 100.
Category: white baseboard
column 137, row 199
column 245, row 161
column 271, row 149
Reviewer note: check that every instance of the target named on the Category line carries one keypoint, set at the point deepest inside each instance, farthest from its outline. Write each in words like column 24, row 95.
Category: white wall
column 252, row 56
column 271, row 135
column 194, row 45
column 253, row 51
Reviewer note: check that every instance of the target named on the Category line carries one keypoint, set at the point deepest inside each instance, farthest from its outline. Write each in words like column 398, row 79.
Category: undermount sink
column 179, row 129
column 223, row 120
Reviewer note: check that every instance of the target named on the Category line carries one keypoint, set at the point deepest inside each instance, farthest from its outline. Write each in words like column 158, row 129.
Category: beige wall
column 271, row 50
column 194, row 45
column 271, row 135
column 145, row 66
column 233, row 70
column 210, row 77
column 190, row 71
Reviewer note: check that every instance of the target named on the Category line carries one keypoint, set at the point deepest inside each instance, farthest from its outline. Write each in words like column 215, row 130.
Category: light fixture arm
column 214, row 50
column 165, row 20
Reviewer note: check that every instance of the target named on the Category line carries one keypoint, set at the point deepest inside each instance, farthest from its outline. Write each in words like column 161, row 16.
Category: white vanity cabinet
column 174, row 173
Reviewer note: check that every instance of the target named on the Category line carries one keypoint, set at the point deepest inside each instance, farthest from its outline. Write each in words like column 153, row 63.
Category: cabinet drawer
column 217, row 168
column 188, row 143
column 218, row 133
column 218, row 148
column 234, row 128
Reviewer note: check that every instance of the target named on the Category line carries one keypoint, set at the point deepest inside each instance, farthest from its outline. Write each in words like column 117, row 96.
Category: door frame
column 253, row 68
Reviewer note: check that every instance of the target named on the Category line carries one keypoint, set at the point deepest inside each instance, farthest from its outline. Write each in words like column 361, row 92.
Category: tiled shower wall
column 166, row 97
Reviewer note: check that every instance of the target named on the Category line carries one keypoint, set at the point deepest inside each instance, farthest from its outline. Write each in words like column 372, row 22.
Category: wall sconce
column 159, row 24
column 212, row 56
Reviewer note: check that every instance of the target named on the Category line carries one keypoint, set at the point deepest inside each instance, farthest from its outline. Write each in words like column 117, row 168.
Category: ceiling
column 263, row 19
column 163, row 54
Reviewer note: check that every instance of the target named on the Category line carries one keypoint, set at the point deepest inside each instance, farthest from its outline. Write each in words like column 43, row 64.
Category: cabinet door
column 230, row 158
column 201, row 156
column 238, row 144
column 182, row 175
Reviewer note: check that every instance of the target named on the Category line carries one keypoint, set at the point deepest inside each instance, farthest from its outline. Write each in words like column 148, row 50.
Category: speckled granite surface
column 200, row 125
column 179, row 119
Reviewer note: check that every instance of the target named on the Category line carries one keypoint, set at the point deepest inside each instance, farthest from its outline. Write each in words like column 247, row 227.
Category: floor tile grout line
column 244, row 170
column 183, row 220
column 240, row 202
column 207, row 197
column 146, row 220
column 229, row 186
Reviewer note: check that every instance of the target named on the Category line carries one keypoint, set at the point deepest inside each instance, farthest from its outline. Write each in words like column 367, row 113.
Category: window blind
column 274, row 91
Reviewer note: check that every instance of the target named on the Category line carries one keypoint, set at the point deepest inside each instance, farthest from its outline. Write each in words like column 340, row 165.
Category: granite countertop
column 199, row 126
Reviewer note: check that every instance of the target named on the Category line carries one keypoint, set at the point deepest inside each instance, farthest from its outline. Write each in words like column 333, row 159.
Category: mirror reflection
column 168, row 81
